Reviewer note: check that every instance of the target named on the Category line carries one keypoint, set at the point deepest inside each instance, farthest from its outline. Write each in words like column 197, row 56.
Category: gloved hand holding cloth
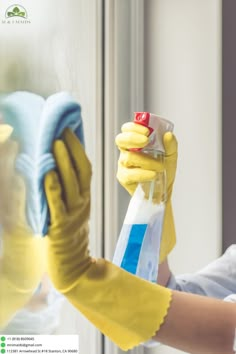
column 127, row 309
column 135, row 167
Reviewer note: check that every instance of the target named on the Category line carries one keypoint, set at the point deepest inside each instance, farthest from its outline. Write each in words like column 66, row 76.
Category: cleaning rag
column 37, row 122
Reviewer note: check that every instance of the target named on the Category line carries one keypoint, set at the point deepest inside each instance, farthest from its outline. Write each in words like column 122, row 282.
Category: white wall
column 183, row 83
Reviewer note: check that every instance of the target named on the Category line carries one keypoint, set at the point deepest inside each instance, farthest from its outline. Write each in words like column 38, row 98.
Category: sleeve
column 217, row 280
column 231, row 298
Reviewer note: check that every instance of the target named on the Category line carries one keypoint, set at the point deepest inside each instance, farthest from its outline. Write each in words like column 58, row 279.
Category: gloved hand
column 21, row 256
column 137, row 167
column 127, row 309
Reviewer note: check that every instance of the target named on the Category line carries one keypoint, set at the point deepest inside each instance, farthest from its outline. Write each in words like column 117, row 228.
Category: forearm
column 199, row 325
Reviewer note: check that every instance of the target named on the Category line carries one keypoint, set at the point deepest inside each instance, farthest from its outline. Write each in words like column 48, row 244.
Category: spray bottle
column 138, row 246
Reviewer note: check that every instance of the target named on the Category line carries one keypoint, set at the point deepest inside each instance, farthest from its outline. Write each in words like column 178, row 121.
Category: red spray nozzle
column 143, row 118
column 157, row 126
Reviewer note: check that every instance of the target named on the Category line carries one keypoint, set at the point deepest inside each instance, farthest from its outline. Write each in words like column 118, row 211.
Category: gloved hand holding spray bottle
column 138, row 246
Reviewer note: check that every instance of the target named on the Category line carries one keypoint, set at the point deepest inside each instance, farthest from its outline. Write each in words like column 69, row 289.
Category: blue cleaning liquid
column 136, row 234
column 138, row 247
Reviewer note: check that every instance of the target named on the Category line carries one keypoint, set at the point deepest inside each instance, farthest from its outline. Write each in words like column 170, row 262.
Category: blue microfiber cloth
column 37, row 123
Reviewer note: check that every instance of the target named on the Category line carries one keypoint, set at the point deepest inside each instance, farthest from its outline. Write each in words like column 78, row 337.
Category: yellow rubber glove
column 21, row 254
column 5, row 132
column 127, row 309
column 138, row 167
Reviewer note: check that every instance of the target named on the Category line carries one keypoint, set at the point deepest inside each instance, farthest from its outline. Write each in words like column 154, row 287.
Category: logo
column 16, row 14
column 16, row 11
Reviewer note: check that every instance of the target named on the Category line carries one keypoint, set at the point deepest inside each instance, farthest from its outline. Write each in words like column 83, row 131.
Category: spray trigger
column 157, row 126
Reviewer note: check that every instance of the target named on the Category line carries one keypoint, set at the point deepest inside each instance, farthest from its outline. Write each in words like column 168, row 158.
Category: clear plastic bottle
column 138, row 246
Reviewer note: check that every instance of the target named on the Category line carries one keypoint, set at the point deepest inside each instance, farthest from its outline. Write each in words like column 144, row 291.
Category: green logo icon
column 16, row 11
column 3, row 338
column 3, row 344
column 3, row 351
